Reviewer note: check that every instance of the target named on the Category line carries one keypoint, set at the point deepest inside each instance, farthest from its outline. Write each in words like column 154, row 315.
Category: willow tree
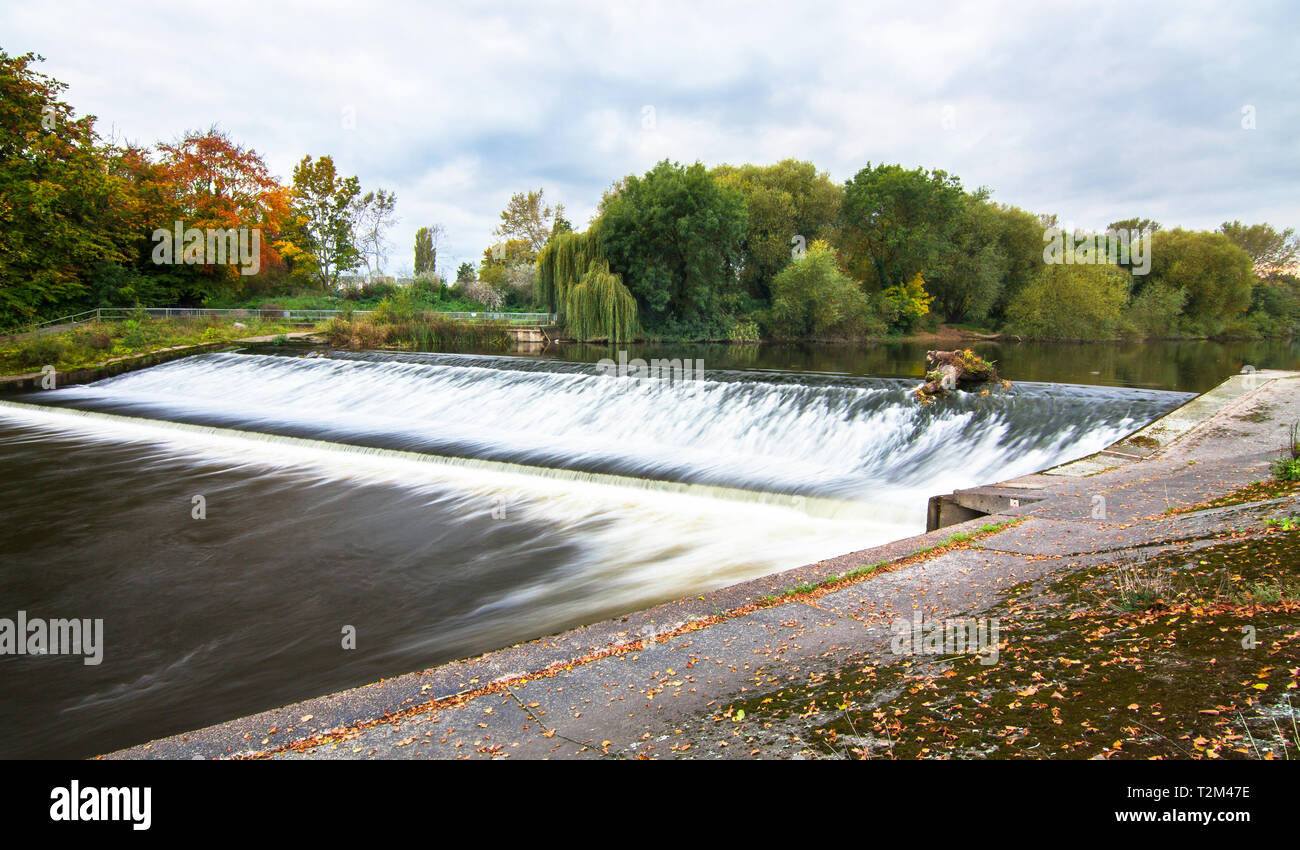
column 600, row 306
column 574, row 280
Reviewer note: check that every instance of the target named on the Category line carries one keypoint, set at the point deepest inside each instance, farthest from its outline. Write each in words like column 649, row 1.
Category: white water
column 867, row 442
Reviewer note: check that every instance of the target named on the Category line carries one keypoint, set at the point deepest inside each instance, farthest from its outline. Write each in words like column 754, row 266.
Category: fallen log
column 951, row 370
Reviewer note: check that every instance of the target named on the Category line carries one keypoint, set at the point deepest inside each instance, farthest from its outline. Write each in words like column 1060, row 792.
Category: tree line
column 683, row 251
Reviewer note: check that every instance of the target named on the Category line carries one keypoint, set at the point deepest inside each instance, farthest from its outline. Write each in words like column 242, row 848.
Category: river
column 457, row 503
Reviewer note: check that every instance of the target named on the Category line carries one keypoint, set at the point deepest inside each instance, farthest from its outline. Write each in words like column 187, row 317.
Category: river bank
column 1127, row 626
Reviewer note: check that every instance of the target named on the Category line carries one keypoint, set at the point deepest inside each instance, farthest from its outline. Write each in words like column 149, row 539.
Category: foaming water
column 533, row 502
column 839, row 437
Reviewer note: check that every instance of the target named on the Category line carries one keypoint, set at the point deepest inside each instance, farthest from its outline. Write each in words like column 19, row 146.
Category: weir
column 812, row 505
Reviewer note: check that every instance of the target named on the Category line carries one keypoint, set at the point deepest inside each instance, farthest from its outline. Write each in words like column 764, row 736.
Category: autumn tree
column 218, row 184
column 61, row 210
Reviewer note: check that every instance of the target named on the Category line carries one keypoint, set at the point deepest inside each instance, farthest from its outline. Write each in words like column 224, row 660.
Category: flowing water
column 443, row 506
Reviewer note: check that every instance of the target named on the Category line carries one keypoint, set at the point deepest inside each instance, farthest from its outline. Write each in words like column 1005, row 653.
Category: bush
column 812, row 297
column 744, row 330
column 42, row 351
column 907, row 304
column 1071, row 301
column 1156, row 311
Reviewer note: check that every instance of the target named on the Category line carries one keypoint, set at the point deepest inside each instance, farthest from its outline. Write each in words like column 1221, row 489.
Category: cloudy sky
column 1183, row 112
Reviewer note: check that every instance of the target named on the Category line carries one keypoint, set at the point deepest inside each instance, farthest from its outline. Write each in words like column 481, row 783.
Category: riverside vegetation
column 684, row 252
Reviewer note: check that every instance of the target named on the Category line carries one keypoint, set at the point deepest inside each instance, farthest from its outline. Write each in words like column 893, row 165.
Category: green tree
column 971, row 264
column 465, row 273
column 1020, row 237
column 812, row 297
column 900, row 223
column 674, row 237
column 1134, row 225
column 789, row 205
column 1272, row 251
column 1216, row 275
column 426, row 250
column 1071, row 301
column 327, row 206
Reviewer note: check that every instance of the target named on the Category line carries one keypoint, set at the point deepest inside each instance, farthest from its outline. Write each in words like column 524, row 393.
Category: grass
column 95, row 343
column 417, row 331
column 364, row 298
column 954, row 540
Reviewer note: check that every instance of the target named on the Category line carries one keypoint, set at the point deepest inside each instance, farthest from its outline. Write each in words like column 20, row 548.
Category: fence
column 304, row 316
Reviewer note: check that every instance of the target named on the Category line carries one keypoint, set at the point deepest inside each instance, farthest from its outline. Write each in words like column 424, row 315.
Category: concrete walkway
column 609, row 690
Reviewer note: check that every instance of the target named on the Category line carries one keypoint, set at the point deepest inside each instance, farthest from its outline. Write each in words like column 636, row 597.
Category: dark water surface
column 1186, row 366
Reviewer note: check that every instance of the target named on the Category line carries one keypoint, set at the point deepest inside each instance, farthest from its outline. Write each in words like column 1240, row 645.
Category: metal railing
column 305, row 316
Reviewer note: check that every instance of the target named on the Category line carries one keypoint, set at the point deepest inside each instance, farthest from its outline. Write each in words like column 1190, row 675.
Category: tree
column 573, row 279
column 1020, row 237
column 599, row 306
column 465, row 273
column 1071, row 301
column 789, row 205
column 218, row 184
column 1273, row 252
column 326, row 204
column 500, row 258
column 898, row 223
column 426, row 249
column 62, row 213
column 1216, row 275
column 373, row 215
column 674, row 237
column 906, row 304
column 529, row 219
column 812, row 297
column 973, row 265
column 1134, row 226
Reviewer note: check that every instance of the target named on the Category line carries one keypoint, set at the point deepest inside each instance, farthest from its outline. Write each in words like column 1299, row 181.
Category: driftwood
column 951, row 370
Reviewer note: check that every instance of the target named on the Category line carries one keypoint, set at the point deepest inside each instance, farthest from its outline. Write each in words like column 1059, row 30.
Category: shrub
column 743, row 330
column 907, row 304
column 42, row 351
column 812, row 297
column 1156, row 311
column 1071, row 301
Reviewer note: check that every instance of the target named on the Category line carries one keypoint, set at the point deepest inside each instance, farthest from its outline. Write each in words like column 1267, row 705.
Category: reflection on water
column 1185, row 366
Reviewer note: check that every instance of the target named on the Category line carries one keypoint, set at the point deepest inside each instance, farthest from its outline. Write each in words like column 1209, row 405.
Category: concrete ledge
column 1146, row 442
